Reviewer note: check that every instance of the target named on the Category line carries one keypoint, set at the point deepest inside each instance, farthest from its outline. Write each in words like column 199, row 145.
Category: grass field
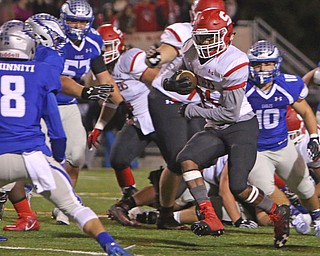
column 98, row 189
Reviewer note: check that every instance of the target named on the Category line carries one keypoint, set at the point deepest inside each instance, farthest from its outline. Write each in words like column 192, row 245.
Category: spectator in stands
column 46, row 6
column 22, row 10
column 168, row 12
column 6, row 11
column 145, row 11
column 127, row 20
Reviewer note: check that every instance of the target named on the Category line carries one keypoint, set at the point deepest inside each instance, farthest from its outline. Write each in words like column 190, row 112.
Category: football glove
column 313, row 147
column 99, row 92
column 241, row 223
column 93, row 138
column 182, row 86
column 125, row 111
column 153, row 57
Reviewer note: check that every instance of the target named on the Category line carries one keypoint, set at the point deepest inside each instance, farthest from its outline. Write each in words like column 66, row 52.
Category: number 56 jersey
column 271, row 107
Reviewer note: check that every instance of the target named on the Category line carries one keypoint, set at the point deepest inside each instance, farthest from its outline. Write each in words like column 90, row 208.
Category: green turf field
column 98, row 189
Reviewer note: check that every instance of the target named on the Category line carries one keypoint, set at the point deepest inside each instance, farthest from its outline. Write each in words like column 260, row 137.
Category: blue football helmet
column 48, row 31
column 17, row 40
column 76, row 10
column 264, row 51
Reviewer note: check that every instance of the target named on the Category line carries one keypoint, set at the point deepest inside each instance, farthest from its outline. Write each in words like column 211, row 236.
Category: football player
column 133, row 77
column 27, row 94
column 83, row 52
column 231, row 127
column 173, row 130
column 50, row 39
column 270, row 93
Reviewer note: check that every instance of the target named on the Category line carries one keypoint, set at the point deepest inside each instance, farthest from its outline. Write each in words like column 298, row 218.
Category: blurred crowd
column 128, row 15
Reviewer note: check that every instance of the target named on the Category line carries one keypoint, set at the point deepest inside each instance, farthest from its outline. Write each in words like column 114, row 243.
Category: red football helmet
column 201, row 5
column 212, row 32
column 295, row 125
column 113, row 40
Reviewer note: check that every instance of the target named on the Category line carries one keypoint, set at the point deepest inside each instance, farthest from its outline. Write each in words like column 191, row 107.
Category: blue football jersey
column 55, row 60
column 270, row 108
column 24, row 90
column 78, row 60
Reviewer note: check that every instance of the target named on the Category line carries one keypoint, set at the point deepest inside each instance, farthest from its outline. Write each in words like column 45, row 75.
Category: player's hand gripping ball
column 182, row 82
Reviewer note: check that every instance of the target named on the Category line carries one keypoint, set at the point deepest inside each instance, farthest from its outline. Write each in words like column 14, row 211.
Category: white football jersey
column 127, row 74
column 176, row 35
column 226, row 71
column 212, row 174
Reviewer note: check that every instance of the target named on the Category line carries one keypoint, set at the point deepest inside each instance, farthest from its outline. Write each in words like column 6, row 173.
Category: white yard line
column 51, row 250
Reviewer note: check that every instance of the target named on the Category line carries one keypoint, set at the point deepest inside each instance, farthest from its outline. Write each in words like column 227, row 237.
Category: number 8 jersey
column 271, row 106
column 24, row 86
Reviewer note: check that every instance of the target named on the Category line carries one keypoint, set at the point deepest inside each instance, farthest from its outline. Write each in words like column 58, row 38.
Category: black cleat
column 281, row 223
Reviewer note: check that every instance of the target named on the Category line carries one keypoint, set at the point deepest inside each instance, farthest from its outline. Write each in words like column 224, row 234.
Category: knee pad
column 76, row 158
column 82, row 215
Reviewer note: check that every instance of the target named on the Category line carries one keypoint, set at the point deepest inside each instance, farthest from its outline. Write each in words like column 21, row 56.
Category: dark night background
column 297, row 20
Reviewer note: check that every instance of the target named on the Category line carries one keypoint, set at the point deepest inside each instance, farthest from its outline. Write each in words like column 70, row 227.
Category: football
column 192, row 77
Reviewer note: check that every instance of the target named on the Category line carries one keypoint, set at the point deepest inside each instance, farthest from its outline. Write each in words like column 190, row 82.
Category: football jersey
column 127, row 74
column 176, row 35
column 50, row 56
column 212, row 174
column 225, row 72
column 23, row 93
column 78, row 60
column 271, row 107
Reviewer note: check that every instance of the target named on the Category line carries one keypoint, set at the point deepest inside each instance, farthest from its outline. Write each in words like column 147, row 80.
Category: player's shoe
column 281, row 223
column 61, row 218
column 114, row 249
column 209, row 223
column 316, row 226
column 315, row 215
column 298, row 222
column 170, row 223
column 24, row 223
column 128, row 192
column 148, row 217
column 119, row 212
column 3, row 200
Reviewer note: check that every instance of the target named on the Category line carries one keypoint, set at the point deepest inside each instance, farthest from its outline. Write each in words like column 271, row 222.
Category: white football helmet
column 76, row 10
column 264, row 51
column 17, row 40
column 48, row 31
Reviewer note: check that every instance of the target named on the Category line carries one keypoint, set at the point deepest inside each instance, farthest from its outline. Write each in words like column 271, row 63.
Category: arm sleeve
column 56, row 132
column 97, row 65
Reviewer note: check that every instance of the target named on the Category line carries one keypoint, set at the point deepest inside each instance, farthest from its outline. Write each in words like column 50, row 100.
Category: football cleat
column 61, row 218
column 281, row 223
column 128, row 192
column 24, row 223
column 114, row 249
column 119, row 212
column 170, row 223
column 298, row 221
column 3, row 200
column 209, row 223
column 316, row 226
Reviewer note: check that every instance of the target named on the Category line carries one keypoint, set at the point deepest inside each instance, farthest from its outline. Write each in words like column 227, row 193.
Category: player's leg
column 27, row 220
column 298, row 179
column 75, row 151
column 129, row 144
column 172, row 132
column 64, row 198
